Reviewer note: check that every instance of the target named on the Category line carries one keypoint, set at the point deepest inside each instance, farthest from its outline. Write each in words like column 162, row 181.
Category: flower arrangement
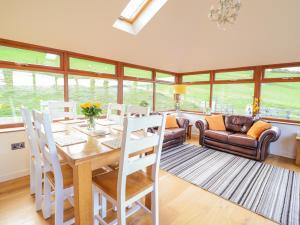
column 91, row 111
column 255, row 107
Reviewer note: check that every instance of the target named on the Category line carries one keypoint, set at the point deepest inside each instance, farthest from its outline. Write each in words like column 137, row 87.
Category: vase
column 91, row 123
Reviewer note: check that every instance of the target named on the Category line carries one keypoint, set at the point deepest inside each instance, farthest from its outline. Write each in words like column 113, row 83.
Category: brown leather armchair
column 235, row 140
column 174, row 136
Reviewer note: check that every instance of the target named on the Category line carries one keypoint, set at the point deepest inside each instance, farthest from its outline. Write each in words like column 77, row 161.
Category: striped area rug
column 267, row 190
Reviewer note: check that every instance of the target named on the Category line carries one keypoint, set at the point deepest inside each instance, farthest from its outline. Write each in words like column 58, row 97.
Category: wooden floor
column 181, row 203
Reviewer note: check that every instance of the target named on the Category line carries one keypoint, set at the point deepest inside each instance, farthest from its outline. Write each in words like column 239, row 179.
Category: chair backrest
column 57, row 109
column 135, row 140
column 115, row 112
column 31, row 136
column 137, row 110
column 47, row 145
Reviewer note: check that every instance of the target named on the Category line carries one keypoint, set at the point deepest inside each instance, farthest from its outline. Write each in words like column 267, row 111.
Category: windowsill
column 13, row 129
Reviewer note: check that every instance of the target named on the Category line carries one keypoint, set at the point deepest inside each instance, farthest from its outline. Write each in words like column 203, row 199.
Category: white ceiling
column 179, row 38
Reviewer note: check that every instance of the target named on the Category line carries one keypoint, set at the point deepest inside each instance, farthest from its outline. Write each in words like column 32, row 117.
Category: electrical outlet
column 16, row 146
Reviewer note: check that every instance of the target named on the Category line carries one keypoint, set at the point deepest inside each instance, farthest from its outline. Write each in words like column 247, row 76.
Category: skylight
column 133, row 10
column 137, row 14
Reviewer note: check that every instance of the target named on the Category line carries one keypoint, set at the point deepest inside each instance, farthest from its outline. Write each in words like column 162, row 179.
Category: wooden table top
column 92, row 148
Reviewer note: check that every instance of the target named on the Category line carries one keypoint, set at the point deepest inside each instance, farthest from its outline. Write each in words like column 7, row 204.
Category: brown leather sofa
column 235, row 139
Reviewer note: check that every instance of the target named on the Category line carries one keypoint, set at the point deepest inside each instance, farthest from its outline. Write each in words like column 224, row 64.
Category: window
column 133, row 9
column 165, row 77
column 196, row 97
column 133, row 72
column 24, row 56
column 196, row 77
column 288, row 72
column 233, row 98
column 134, row 93
column 281, row 100
column 164, row 97
column 240, row 75
column 26, row 88
column 82, row 89
column 92, row 66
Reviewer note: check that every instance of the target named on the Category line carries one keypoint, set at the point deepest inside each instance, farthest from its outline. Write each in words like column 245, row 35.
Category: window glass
column 196, row 77
column 83, row 89
column 164, row 97
column 196, row 98
column 133, row 72
column 165, row 77
column 19, row 55
column 282, row 72
column 92, row 66
column 233, row 98
column 29, row 89
column 239, row 75
column 136, row 93
column 281, row 100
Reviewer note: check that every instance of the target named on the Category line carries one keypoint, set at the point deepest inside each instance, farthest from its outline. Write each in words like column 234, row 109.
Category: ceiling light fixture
column 226, row 12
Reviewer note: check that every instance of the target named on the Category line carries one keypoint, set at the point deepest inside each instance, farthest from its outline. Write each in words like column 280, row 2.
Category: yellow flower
column 97, row 104
column 86, row 105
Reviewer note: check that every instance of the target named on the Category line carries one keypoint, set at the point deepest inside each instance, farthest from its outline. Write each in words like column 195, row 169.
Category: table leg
column 83, row 204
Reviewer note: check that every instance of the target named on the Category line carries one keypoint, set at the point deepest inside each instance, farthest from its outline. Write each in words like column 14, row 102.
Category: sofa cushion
column 217, row 135
column 171, row 122
column 257, row 128
column 242, row 140
column 215, row 122
column 174, row 133
column 240, row 124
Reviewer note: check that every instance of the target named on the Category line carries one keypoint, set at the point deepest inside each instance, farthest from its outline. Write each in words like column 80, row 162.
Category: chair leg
column 38, row 190
column 96, row 207
column 59, row 207
column 154, row 206
column 103, row 206
column 121, row 214
column 47, row 199
column 32, row 178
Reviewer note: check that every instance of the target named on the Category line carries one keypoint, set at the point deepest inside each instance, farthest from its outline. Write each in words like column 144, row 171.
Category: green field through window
column 134, row 93
column 165, row 77
column 26, row 88
column 92, row 66
column 240, row 75
column 195, row 96
column 281, row 100
column 19, row 55
column 83, row 89
column 196, row 77
column 164, row 97
column 233, row 98
column 133, row 72
column 283, row 72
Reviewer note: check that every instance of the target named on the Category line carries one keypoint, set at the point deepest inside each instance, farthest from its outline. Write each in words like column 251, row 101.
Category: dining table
column 85, row 155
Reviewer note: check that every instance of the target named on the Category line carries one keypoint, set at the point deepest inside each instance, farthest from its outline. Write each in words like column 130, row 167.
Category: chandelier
column 226, row 12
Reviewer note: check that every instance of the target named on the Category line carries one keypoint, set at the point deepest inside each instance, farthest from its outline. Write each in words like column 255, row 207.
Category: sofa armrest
column 265, row 139
column 202, row 125
column 183, row 123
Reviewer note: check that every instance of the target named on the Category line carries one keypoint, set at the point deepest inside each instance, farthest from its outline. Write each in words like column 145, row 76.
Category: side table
column 298, row 150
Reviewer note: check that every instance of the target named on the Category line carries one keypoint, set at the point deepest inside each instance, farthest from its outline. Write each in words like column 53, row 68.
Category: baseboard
column 14, row 175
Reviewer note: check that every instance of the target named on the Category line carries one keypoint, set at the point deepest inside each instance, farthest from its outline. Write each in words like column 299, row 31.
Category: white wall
column 15, row 163
column 284, row 146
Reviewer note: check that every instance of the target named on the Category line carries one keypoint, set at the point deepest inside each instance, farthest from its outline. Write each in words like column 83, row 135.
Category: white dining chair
column 62, row 110
column 56, row 176
column 135, row 110
column 115, row 112
column 36, row 161
column 126, row 186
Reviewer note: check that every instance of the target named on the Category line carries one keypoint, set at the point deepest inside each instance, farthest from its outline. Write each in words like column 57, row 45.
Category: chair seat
column 67, row 173
column 218, row 135
column 136, row 183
